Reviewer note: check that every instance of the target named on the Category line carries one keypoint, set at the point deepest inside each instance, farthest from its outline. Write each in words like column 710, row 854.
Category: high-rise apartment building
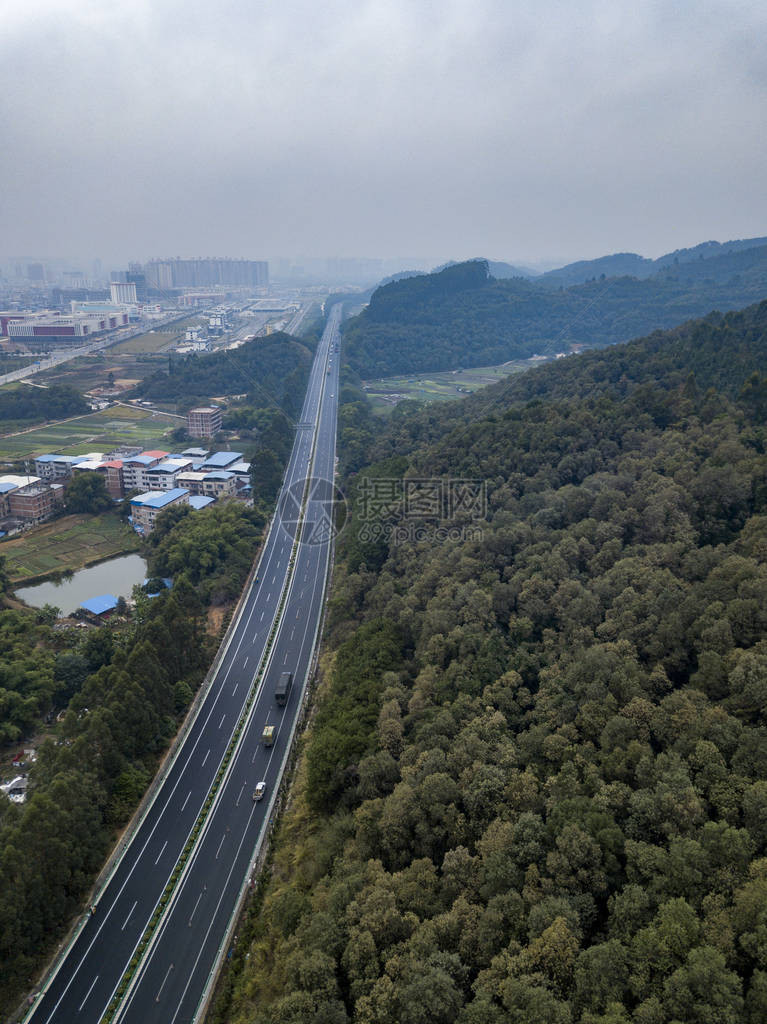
column 207, row 272
column 123, row 292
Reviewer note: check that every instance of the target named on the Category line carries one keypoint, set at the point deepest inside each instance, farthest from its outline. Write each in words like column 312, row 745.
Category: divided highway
column 178, row 967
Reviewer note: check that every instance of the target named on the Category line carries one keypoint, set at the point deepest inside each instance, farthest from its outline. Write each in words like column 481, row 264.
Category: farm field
column 89, row 372
column 68, row 543
column 99, row 431
column 386, row 393
column 152, row 341
column 156, row 341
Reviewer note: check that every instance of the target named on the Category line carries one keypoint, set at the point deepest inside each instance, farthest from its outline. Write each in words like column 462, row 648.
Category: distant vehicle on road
column 268, row 735
column 258, row 792
column 283, row 688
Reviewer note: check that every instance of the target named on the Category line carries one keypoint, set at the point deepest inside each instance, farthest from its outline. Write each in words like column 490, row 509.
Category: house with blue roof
column 57, row 467
column 136, row 466
column 219, row 483
column 199, row 501
column 221, row 460
column 162, row 477
column 100, row 607
column 146, row 507
column 166, row 581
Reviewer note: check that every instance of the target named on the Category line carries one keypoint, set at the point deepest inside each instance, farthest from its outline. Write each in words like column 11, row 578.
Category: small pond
column 118, row 576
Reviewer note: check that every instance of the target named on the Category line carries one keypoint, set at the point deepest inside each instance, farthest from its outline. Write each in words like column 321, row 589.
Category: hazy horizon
column 522, row 133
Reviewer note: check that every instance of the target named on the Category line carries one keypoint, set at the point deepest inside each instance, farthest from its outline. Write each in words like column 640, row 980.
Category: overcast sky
column 444, row 128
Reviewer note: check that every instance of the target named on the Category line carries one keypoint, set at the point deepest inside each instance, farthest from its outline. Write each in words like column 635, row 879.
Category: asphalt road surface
column 180, row 962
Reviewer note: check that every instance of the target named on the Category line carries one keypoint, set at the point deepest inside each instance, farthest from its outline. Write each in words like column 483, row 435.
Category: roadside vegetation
column 535, row 786
column 9, row 362
column 118, row 693
column 273, row 370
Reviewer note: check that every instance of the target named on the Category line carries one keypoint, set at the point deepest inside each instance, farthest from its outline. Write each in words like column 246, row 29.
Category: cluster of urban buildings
column 160, row 479
column 175, row 272
column 206, row 272
column 133, row 295
column 50, row 329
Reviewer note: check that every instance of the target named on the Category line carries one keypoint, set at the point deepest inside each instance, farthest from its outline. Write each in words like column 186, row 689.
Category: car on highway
column 258, row 792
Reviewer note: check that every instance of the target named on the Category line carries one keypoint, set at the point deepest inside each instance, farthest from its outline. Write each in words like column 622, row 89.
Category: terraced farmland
column 68, row 543
column 99, row 431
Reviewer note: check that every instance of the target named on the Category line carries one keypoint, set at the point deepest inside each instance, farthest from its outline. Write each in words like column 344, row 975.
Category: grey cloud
column 519, row 130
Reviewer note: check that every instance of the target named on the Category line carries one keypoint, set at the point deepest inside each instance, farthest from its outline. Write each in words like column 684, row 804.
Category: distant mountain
column 733, row 265
column 618, row 264
column 501, row 271
column 462, row 316
column 498, row 269
column 706, row 250
column 403, row 275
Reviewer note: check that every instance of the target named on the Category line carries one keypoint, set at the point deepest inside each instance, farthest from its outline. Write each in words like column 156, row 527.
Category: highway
column 179, row 963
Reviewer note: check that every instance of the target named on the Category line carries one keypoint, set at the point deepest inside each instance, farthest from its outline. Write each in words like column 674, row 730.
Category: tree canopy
column 35, row 404
column 534, row 789
column 273, row 371
column 462, row 317
column 87, row 492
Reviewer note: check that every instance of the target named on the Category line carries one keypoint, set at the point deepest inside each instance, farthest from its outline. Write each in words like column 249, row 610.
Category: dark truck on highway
column 283, row 688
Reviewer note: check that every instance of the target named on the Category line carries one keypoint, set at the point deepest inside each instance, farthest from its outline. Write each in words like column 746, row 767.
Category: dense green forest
column 21, row 403
column 534, row 790
column 462, row 317
column 273, row 371
column 125, row 689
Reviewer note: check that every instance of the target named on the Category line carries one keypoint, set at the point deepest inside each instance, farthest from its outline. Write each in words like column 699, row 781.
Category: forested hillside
column 534, row 790
column 463, row 317
column 638, row 266
column 273, row 370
